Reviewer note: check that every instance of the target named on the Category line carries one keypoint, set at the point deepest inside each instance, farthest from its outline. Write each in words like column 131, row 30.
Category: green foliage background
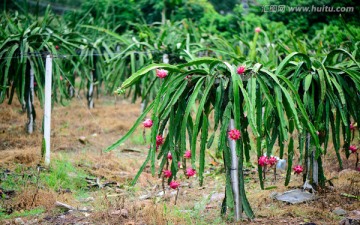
column 221, row 17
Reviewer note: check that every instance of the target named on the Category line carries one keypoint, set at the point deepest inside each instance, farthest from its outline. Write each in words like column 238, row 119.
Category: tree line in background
column 221, row 17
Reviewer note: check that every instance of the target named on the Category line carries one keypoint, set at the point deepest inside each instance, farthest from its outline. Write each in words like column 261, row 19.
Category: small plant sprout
column 161, row 73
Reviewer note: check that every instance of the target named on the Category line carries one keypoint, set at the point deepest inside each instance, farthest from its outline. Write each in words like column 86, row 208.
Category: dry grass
column 147, row 212
column 348, row 182
column 319, row 211
column 29, row 157
column 109, row 166
column 101, row 126
column 30, row 198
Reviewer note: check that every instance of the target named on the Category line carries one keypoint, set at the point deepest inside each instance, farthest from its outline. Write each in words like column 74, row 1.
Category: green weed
column 32, row 212
column 193, row 215
column 18, row 179
column 64, row 176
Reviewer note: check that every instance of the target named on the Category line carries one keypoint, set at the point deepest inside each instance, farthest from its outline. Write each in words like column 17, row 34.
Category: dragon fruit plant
column 25, row 42
column 216, row 87
column 328, row 86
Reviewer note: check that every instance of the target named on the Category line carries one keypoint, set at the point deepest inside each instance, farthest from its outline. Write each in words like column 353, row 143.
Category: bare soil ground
column 79, row 135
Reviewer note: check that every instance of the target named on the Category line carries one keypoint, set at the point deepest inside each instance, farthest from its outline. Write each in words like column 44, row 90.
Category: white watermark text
column 306, row 9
